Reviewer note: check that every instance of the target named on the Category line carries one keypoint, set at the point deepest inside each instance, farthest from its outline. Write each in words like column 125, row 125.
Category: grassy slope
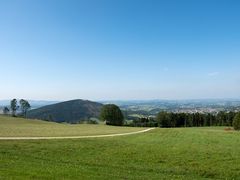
column 15, row 127
column 192, row 153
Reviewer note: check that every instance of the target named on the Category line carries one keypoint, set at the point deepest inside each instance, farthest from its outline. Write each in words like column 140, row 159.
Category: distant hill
column 34, row 103
column 70, row 111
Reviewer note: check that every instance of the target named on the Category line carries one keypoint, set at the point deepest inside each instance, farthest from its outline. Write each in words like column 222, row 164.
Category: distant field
column 16, row 127
column 183, row 153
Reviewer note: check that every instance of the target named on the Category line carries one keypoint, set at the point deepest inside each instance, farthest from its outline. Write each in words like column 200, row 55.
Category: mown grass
column 184, row 153
column 19, row 127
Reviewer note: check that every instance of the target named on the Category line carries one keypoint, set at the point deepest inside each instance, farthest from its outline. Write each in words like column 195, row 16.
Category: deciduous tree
column 13, row 107
column 112, row 115
column 25, row 106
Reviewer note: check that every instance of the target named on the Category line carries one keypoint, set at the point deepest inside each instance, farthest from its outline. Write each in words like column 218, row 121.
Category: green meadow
column 181, row 153
column 19, row 127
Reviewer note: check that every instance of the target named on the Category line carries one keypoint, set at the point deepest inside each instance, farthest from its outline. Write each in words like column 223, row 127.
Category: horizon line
column 104, row 100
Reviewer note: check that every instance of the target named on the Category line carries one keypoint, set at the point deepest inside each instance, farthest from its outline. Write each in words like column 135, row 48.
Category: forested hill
column 70, row 111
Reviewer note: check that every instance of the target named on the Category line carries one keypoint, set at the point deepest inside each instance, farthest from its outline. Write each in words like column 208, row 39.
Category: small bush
column 89, row 121
column 236, row 122
column 93, row 121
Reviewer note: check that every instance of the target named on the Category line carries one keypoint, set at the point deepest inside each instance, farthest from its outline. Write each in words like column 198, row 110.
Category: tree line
column 23, row 105
column 166, row 119
column 113, row 116
column 170, row 120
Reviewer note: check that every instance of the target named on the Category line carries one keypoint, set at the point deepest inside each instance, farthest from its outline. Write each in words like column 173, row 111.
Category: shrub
column 93, row 121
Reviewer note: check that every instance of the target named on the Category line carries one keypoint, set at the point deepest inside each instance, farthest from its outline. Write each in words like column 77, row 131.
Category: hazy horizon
column 124, row 100
column 120, row 50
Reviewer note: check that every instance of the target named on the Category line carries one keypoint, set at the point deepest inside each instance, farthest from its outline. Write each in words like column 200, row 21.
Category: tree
column 145, row 122
column 164, row 119
column 5, row 110
column 236, row 122
column 190, row 120
column 13, row 107
column 112, row 115
column 25, row 106
column 230, row 117
column 221, row 118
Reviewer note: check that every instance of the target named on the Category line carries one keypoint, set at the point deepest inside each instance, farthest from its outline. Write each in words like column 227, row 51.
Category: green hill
column 70, row 111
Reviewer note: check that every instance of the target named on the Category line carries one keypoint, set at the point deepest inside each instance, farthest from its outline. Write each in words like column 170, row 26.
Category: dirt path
column 75, row 137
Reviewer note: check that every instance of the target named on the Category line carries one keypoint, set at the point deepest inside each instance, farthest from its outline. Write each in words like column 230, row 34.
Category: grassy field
column 18, row 127
column 184, row 153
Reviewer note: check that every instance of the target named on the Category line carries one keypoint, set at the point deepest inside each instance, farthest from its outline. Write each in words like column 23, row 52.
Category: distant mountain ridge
column 72, row 111
column 34, row 103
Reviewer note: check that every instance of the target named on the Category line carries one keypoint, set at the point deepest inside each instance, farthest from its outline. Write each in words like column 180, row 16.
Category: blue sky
column 119, row 49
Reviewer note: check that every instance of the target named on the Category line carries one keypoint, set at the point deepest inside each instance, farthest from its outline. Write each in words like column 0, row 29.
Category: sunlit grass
column 181, row 153
column 18, row 127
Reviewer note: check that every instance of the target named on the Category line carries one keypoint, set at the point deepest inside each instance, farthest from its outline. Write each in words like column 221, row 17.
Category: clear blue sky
column 119, row 49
